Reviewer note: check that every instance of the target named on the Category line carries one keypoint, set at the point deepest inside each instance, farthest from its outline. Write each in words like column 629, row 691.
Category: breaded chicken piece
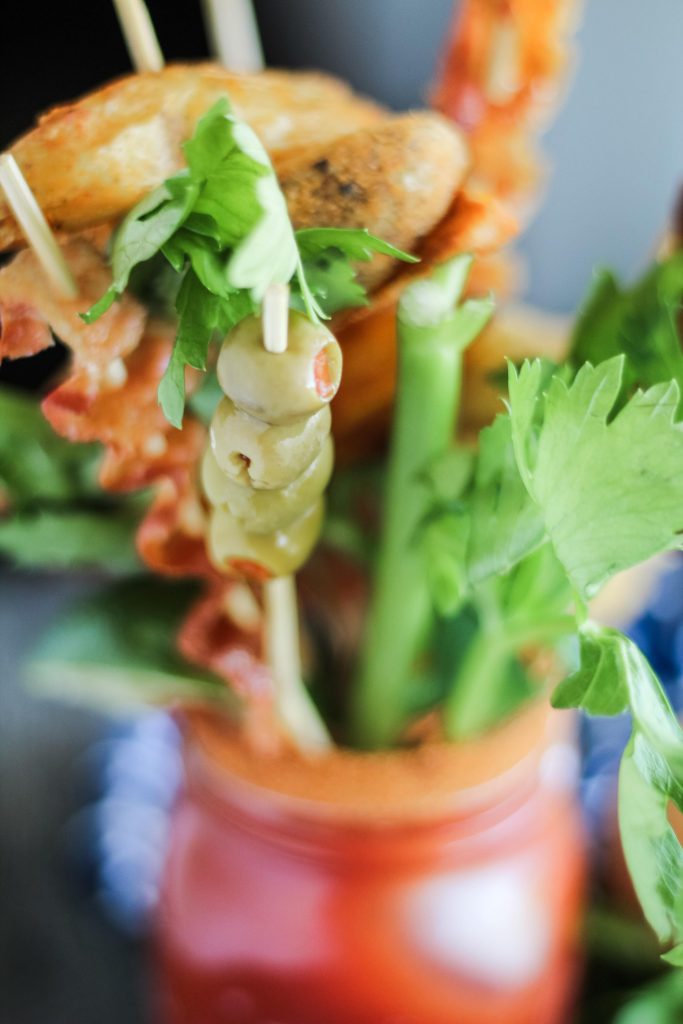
column 397, row 179
column 90, row 161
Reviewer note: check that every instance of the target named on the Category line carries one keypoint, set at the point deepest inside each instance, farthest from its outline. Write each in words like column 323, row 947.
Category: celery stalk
column 433, row 331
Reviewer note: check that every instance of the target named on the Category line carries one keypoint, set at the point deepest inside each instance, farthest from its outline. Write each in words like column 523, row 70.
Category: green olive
column 280, row 552
column 263, row 511
column 284, row 386
column 267, row 457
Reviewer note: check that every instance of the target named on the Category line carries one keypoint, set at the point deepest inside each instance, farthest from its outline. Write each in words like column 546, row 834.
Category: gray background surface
column 615, row 148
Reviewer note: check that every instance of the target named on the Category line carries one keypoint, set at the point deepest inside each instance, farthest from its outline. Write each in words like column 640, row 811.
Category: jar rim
column 420, row 782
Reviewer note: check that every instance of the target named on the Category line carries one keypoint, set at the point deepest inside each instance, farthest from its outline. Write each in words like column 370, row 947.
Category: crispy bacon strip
column 124, row 415
column 141, row 450
column 111, row 397
column 224, row 633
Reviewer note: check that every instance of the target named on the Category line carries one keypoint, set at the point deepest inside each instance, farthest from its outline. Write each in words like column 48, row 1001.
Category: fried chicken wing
column 90, row 161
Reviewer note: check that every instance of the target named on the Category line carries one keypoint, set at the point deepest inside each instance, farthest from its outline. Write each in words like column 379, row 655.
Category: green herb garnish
column 222, row 225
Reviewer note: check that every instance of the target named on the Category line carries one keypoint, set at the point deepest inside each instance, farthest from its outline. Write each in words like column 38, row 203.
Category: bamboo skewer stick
column 232, row 26
column 138, row 31
column 275, row 313
column 296, row 708
column 233, row 34
column 32, row 221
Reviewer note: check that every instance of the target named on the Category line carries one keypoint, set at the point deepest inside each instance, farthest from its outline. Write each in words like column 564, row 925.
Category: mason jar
column 440, row 884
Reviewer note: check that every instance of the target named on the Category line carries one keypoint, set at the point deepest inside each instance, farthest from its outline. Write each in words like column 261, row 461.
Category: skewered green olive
column 255, row 454
column 284, row 386
column 280, row 553
column 262, row 511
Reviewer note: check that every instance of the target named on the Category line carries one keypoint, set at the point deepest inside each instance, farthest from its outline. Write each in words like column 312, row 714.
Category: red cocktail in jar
column 425, row 887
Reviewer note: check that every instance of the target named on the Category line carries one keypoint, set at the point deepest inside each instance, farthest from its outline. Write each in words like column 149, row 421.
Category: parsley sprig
column 223, row 226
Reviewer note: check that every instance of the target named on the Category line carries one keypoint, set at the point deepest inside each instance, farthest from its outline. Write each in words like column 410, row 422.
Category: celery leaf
column 608, row 487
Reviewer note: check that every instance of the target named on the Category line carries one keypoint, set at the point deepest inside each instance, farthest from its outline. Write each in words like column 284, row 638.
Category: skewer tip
column 275, row 318
column 138, row 31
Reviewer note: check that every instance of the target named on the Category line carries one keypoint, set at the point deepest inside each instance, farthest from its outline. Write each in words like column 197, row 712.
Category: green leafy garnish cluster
column 640, row 322
column 222, row 225
column 580, row 479
column 486, row 555
column 53, row 512
column 116, row 649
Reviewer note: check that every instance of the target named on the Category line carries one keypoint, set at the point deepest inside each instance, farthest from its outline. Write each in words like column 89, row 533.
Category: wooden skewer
column 297, row 711
column 234, row 37
column 275, row 315
column 233, row 34
column 32, row 221
column 138, row 31
column 232, row 26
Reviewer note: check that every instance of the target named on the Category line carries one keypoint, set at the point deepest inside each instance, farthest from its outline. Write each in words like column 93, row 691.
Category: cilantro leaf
column 327, row 279
column 354, row 243
column 142, row 234
column 268, row 253
column 223, row 224
column 204, row 401
column 609, row 491
column 640, row 322
column 332, row 285
column 675, row 958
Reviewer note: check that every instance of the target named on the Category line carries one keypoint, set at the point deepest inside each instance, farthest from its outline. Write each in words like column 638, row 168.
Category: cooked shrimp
column 90, row 161
column 29, row 307
column 503, row 71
